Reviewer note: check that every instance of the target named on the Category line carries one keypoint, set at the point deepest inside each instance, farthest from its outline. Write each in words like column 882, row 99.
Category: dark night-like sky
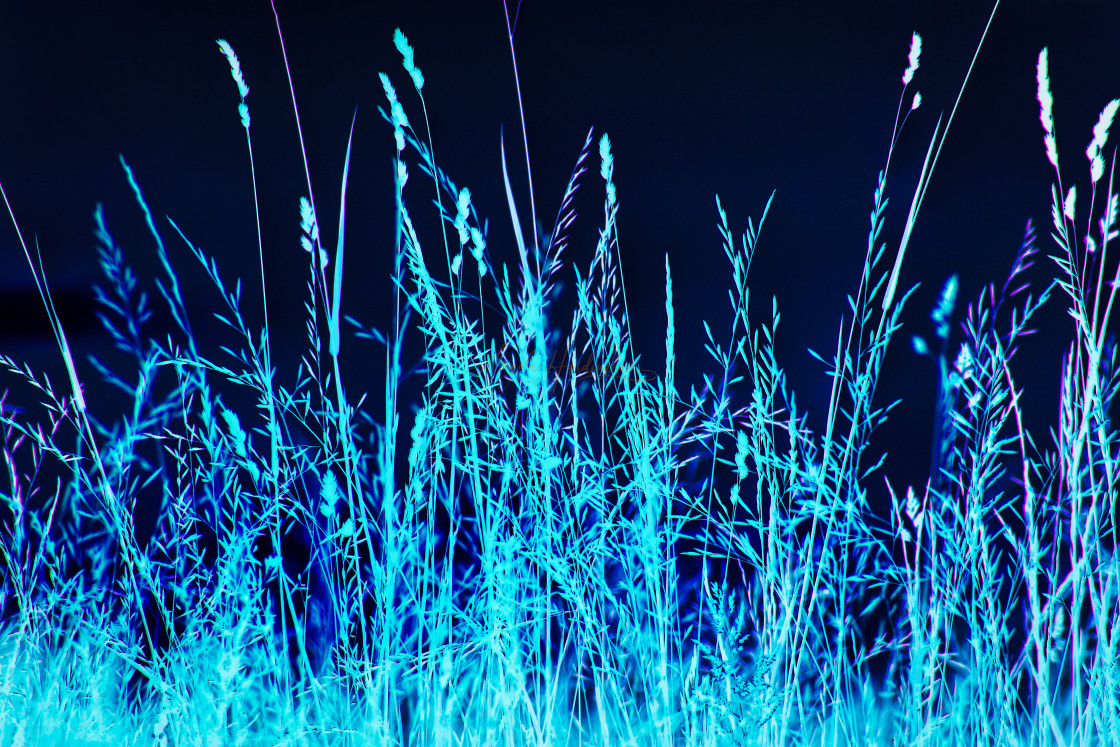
column 735, row 99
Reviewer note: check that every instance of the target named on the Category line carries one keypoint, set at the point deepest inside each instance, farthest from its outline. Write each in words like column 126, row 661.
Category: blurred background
column 735, row 99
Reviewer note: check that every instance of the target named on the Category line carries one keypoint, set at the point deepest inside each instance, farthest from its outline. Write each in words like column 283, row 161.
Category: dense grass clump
column 523, row 583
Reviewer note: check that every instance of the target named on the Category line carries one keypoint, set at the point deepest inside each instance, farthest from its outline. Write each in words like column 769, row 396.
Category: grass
column 524, row 584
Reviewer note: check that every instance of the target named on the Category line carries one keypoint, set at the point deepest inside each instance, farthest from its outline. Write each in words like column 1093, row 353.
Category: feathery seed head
column 396, row 111
column 916, row 102
column 944, row 308
column 235, row 431
column 1046, row 104
column 310, row 227
column 915, row 53
column 1100, row 131
column 963, row 364
column 330, row 495
column 307, row 221
column 462, row 208
column 235, row 67
column 914, row 510
column 479, row 243
column 1067, row 205
column 1045, row 99
column 607, row 169
column 235, row 71
column 407, row 52
column 477, row 248
column 1100, row 137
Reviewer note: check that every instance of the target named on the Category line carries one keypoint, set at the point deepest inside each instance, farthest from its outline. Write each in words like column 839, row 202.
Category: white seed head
column 235, row 67
column 605, row 157
column 407, row 53
column 915, row 54
column 963, row 364
column 462, row 209
column 913, row 509
column 1046, row 108
column 1045, row 100
column 1100, row 137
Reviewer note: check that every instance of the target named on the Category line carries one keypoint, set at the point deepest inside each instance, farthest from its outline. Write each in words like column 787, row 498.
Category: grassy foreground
column 523, row 584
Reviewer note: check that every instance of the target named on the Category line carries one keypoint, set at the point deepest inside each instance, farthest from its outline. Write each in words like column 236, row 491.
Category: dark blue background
column 701, row 98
